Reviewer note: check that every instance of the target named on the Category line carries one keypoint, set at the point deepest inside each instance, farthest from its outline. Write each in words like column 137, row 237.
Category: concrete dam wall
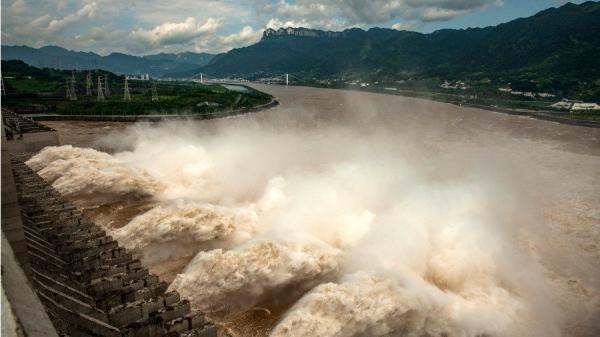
column 87, row 283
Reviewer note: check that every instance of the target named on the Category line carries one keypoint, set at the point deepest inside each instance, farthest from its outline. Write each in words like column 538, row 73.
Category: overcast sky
column 150, row 26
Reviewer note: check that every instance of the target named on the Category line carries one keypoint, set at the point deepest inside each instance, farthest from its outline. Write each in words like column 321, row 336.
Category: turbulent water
column 352, row 214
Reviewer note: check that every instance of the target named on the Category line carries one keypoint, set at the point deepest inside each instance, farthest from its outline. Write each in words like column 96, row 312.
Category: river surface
column 551, row 169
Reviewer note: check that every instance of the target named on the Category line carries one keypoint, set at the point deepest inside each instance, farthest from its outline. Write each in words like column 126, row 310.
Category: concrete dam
column 53, row 256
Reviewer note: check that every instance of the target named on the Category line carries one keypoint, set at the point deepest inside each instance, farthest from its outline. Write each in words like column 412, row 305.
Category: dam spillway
column 88, row 284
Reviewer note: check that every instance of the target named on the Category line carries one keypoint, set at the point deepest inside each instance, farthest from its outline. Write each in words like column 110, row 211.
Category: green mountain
column 60, row 58
column 558, row 48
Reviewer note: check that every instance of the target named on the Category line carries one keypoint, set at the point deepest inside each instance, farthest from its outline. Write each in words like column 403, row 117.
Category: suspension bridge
column 287, row 79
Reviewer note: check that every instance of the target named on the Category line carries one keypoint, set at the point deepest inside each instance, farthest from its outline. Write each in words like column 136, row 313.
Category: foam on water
column 239, row 278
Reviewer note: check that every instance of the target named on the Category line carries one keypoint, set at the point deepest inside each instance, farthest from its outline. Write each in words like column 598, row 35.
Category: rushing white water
column 369, row 305
column 436, row 236
column 180, row 229
column 86, row 172
column 242, row 276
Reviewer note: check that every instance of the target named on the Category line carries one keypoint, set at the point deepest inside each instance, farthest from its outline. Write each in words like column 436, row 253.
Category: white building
column 564, row 104
column 585, row 106
column 142, row 77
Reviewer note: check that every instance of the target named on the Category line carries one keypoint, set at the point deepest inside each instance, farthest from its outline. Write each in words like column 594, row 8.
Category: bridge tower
column 287, row 79
column 126, row 95
column 100, row 91
column 201, row 78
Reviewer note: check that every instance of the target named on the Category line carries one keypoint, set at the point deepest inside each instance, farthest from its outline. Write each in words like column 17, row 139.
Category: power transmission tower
column 106, row 89
column 73, row 93
column 126, row 95
column 2, row 85
column 88, row 84
column 100, row 92
column 154, row 93
column 67, row 89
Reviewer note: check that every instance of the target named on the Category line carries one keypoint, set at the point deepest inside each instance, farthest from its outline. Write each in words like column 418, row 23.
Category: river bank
column 149, row 118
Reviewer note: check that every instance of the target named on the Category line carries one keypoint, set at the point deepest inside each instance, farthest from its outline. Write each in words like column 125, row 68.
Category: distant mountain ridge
column 557, row 44
column 61, row 58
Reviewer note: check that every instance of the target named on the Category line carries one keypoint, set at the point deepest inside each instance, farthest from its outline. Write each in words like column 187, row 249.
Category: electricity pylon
column 88, row 84
column 106, row 89
column 67, row 89
column 100, row 92
column 154, row 93
column 126, row 95
column 72, row 92
column 2, row 85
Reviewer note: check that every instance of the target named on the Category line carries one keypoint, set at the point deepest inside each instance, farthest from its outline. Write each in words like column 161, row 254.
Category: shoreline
column 540, row 115
column 152, row 118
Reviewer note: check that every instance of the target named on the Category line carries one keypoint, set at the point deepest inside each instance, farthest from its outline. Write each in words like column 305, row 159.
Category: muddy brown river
column 349, row 169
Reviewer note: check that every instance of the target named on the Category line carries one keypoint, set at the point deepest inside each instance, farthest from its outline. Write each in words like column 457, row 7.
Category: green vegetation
column 29, row 89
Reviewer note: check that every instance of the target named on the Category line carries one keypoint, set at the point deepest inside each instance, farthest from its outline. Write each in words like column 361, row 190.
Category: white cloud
column 275, row 23
column 170, row 33
column 303, row 9
column 18, row 7
column 86, row 11
column 441, row 14
column 348, row 13
column 244, row 37
column 404, row 25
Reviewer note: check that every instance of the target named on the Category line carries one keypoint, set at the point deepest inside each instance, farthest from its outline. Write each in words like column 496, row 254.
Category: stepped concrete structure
column 24, row 134
column 61, row 273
